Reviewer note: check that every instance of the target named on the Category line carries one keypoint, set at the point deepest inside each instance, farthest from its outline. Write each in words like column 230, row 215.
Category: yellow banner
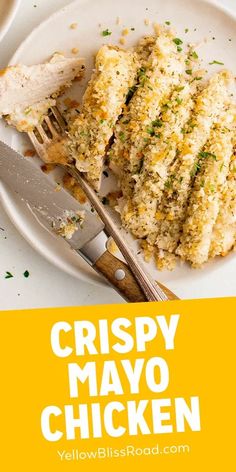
column 119, row 387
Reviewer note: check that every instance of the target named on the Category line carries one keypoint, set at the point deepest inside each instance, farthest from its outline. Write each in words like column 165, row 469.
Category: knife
column 57, row 211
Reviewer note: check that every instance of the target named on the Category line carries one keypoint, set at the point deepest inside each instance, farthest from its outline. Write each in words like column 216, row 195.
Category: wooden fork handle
column 118, row 274
column 168, row 292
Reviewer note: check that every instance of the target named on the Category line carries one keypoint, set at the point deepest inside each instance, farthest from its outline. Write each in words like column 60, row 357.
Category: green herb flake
column 26, row 274
column 189, row 71
column 186, row 30
column 142, row 71
column 179, row 100
column 198, row 78
column 169, row 182
column 179, row 49
column 206, row 155
column 196, row 169
column 168, row 23
column 142, row 76
column 157, row 123
column 194, row 55
column 216, row 62
column 106, row 32
column 177, row 41
column 122, row 136
column 130, row 93
column 150, row 131
column 8, row 275
column 212, row 188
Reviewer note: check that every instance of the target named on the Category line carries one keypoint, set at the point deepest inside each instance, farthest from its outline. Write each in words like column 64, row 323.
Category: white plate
column 8, row 9
column 204, row 20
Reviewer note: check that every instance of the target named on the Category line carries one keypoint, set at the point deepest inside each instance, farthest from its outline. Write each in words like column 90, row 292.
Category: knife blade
column 52, row 207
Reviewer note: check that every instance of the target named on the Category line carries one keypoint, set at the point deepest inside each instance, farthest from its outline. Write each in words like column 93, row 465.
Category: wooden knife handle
column 118, row 274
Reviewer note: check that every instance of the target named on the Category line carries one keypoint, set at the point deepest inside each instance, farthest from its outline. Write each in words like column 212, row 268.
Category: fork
column 52, row 130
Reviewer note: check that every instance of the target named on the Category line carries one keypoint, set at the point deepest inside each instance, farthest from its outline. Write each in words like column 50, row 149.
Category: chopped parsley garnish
column 8, row 275
column 106, row 32
column 169, row 182
column 130, row 93
column 196, row 168
column 212, row 188
column 122, row 136
column 205, row 155
column 142, row 76
column 179, row 100
column 179, row 49
column 216, row 62
column 194, row 55
column 102, row 121
column 150, row 131
column 177, row 41
column 189, row 71
column 26, row 274
column 179, row 89
column 157, row 123
column 167, row 23
column 186, row 30
column 142, row 71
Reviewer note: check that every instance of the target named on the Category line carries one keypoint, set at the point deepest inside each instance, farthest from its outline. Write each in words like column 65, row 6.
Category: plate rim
column 78, row 273
column 9, row 18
